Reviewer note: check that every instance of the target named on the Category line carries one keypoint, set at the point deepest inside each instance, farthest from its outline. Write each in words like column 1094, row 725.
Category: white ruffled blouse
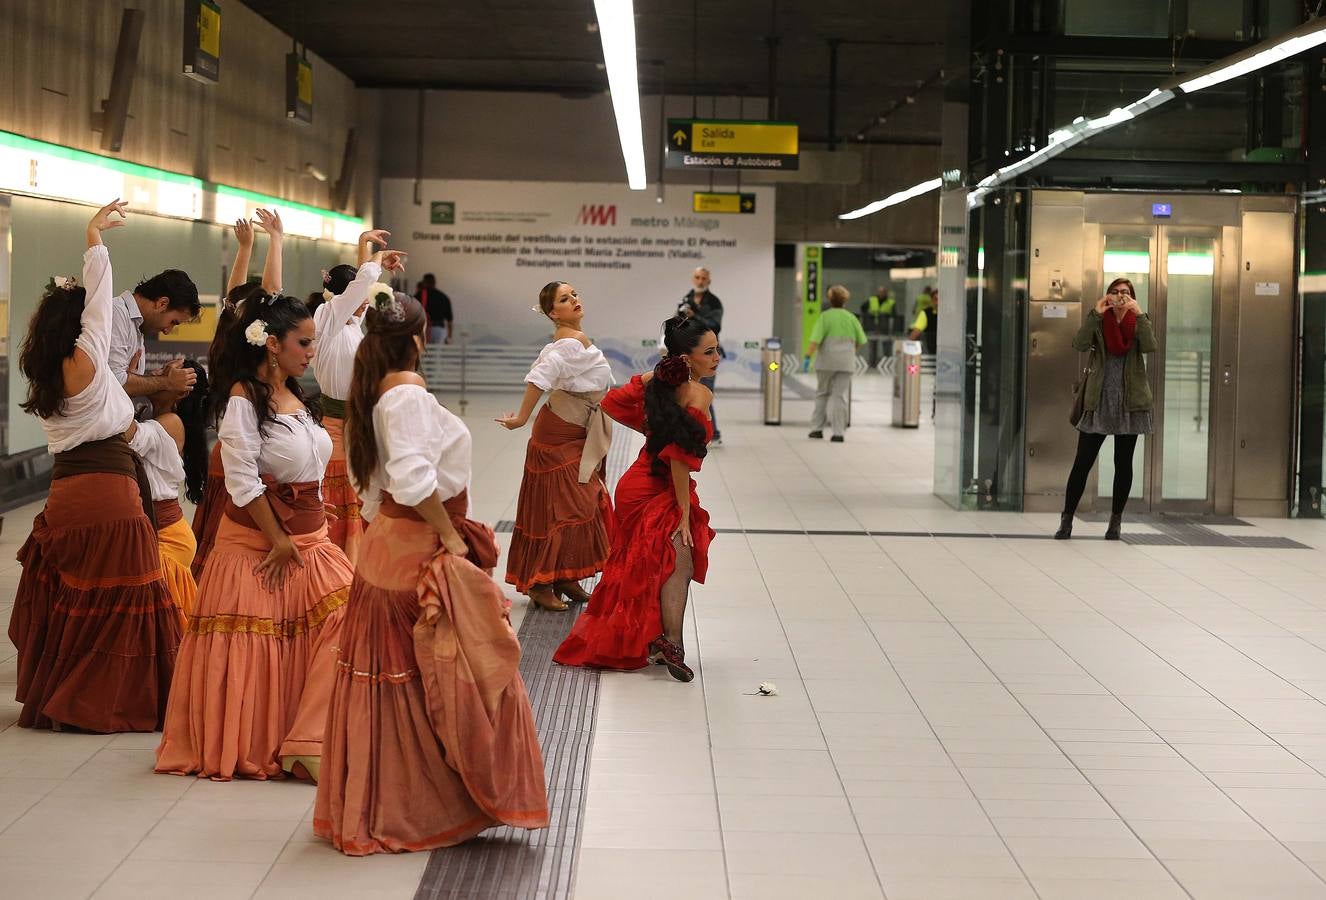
column 568, row 365
column 422, row 447
column 339, row 332
column 294, row 448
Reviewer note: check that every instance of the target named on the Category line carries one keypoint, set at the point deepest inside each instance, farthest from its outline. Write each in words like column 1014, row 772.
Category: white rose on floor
column 768, row 688
column 256, row 333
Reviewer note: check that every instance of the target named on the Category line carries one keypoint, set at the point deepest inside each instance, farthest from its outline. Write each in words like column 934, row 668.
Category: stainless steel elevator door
column 1174, row 271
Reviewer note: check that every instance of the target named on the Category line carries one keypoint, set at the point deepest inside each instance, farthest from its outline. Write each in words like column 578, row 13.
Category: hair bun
column 673, row 371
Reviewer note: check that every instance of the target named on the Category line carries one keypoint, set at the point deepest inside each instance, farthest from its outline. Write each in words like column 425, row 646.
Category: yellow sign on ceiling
column 712, row 202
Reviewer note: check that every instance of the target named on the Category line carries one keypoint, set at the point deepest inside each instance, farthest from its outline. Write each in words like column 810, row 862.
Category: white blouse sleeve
column 240, row 445
column 344, row 305
column 97, row 306
column 153, row 443
column 410, row 433
column 547, row 369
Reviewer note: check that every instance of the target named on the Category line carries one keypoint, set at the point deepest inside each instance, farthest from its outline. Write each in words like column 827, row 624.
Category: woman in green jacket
column 1116, row 397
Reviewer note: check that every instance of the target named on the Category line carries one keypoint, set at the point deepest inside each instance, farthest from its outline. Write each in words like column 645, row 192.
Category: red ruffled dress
column 623, row 616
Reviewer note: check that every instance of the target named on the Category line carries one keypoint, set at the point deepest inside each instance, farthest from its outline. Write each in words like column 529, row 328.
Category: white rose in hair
column 768, row 688
column 328, row 295
column 256, row 333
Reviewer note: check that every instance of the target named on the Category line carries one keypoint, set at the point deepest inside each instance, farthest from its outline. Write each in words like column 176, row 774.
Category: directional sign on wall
column 732, row 144
column 717, row 202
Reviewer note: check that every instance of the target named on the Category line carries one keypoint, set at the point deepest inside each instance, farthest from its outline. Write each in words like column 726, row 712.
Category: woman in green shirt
column 836, row 336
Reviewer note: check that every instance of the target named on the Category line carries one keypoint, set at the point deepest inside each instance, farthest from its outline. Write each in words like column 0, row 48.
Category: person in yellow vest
column 833, row 344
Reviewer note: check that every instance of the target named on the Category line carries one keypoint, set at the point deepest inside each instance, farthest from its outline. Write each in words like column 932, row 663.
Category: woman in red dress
column 636, row 613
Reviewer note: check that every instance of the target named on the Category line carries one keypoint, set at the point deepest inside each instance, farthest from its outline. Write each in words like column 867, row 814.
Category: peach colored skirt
column 562, row 526
column 93, row 621
column 347, row 529
column 430, row 736
column 177, row 547
column 255, row 668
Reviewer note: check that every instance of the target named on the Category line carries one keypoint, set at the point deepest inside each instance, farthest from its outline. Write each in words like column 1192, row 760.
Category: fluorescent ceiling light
column 1267, row 53
column 617, row 30
column 924, row 187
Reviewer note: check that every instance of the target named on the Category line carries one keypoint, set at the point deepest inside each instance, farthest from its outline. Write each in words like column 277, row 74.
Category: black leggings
column 1088, row 448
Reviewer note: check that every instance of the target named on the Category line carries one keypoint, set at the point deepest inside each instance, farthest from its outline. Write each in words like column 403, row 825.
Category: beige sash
column 583, row 409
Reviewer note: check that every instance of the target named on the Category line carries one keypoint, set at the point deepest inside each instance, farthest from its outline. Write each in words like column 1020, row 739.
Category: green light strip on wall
column 267, row 201
column 18, row 142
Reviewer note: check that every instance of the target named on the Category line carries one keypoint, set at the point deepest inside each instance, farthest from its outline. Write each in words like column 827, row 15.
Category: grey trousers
column 831, row 401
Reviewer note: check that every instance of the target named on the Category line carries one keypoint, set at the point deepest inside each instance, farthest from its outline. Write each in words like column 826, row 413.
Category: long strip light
column 1293, row 42
column 1268, row 53
column 617, row 31
column 917, row 190
column 36, row 168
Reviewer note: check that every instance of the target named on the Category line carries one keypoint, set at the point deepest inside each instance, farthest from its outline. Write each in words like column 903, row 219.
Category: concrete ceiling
column 890, row 50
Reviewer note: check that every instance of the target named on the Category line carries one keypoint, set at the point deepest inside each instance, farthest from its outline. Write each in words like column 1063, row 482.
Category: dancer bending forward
column 662, row 536
column 173, row 447
column 257, row 661
column 93, row 621
column 562, row 516
column 430, row 737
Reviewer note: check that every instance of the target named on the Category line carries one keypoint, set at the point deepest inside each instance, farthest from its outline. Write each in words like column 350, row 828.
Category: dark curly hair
column 666, row 422
column 237, row 360
column 193, row 410
column 52, row 331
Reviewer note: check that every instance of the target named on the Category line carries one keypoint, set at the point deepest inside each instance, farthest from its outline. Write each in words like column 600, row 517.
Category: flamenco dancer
column 430, row 736
column 339, row 323
column 173, row 448
column 661, row 543
column 561, row 532
column 93, row 621
column 207, row 513
column 257, row 661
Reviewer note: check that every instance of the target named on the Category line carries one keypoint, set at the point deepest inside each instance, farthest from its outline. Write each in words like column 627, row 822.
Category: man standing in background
column 438, row 307
column 703, row 304
column 153, row 308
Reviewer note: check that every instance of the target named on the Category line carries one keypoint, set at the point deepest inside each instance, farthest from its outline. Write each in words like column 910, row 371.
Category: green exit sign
column 442, row 213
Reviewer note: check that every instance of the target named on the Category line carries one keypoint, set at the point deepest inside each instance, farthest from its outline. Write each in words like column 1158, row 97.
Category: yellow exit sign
column 732, row 144
column 711, row 202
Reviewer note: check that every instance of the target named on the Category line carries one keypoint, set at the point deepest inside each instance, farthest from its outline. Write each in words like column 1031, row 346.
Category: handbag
column 1079, row 398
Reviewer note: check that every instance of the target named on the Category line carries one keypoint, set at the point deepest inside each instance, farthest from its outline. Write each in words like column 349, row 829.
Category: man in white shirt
column 156, row 306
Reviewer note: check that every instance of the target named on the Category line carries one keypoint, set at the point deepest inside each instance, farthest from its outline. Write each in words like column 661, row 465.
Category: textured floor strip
column 511, row 863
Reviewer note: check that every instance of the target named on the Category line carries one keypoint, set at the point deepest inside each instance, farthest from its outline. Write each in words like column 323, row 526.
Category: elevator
column 1216, row 274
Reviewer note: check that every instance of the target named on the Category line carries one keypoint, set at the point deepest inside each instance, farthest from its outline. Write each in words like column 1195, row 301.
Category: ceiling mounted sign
column 717, row 202
column 732, row 144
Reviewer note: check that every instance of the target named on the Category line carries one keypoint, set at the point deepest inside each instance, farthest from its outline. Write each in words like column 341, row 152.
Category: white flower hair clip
column 383, row 298
column 328, row 295
column 256, row 333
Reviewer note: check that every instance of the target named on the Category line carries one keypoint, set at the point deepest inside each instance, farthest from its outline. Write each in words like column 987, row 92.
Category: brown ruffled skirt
column 94, row 623
column 562, row 526
column 430, row 736
column 207, row 516
column 346, row 529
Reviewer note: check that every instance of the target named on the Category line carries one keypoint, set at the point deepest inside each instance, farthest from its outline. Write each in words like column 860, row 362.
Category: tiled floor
column 955, row 717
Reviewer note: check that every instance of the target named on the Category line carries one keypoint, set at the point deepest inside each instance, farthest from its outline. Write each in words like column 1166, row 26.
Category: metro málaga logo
column 597, row 214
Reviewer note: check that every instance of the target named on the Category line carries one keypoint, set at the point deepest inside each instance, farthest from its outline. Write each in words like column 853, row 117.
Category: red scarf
column 1119, row 334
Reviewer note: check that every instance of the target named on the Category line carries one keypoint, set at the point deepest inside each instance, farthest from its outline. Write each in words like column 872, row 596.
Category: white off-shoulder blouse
column 422, row 447
column 102, row 408
column 294, row 448
column 568, row 365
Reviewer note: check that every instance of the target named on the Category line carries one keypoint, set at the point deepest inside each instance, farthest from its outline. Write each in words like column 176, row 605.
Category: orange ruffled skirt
column 177, row 548
column 562, row 526
column 207, row 517
column 430, row 737
column 255, row 668
column 93, row 621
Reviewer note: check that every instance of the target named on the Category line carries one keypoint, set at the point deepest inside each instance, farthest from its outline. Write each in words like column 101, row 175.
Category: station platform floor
column 964, row 709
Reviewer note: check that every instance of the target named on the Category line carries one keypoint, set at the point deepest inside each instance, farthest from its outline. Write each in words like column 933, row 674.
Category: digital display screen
column 1161, row 210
